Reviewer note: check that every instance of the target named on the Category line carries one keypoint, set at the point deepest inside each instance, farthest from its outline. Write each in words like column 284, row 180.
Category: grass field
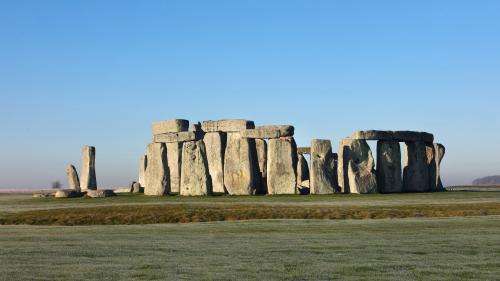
column 441, row 236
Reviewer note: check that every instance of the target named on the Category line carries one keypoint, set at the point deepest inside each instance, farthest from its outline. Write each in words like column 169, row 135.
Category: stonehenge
column 282, row 166
column 88, row 179
column 195, row 178
column 240, row 168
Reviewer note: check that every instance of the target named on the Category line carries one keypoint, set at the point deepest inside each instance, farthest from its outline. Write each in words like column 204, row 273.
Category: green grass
column 399, row 249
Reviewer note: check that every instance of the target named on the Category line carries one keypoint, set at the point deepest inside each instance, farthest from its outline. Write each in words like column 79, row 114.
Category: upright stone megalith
column 73, row 180
column 344, row 156
column 174, row 160
column 157, row 173
column 282, row 166
column 261, row 148
column 416, row 171
column 389, row 174
column 440, row 151
column 323, row 175
column 240, row 165
column 215, row 144
column 360, row 168
column 302, row 170
column 195, row 177
column 88, row 178
column 143, row 163
column 431, row 165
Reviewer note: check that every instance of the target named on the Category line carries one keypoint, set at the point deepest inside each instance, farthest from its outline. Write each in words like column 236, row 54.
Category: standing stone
column 389, row 177
column 215, row 144
column 361, row 168
column 302, row 170
column 282, row 166
column 323, row 174
column 73, row 180
column 440, row 151
column 344, row 156
column 174, row 160
column 431, row 165
column 240, row 166
column 143, row 163
column 195, row 178
column 415, row 172
column 88, row 180
column 261, row 148
column 157, row 174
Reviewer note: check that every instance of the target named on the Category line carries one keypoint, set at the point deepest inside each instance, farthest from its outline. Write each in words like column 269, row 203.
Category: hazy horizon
column 99, row 73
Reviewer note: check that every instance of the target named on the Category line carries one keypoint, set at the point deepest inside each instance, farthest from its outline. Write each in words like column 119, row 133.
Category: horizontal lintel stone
column 170, row 126
column 400, row 136
column 227, row 125
column 177, row 137
column 304, row 150
column 269, row 132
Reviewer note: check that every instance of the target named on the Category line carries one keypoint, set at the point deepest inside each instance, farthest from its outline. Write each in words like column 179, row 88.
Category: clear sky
column 99, row 72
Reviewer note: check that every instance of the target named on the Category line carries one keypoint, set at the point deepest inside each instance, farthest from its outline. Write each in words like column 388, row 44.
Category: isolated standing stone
column 361, row 168
column 215, row 144
column 282, row 166
column 143, row 163
column 157, row 173
column 240, row 166
column 416, row 171
column 323, row 174
column 73, row 180
column 440, row 151
column 261, row 148
column 302, row 170
column 174, row 160
column 195, row 178
column 88, row 177
column 389, row 178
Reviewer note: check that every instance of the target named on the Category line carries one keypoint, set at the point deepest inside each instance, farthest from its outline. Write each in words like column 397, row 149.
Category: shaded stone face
column 304, row 150
column 282, row 166
column 440, row 151
column 416, row 171
column 73, row 180
column 240, row 165
column 323, row 170
column 88, row 176
column 227, row 125
column 174, row 160
column 157, row 173
column 195, row 178
column 143, row 163
column 261, row 151
column 269, row 132
column 358, row 172
column 178, row 137
column 389, row 173
column 431, row 165
column 215, row 144
column 399, row 136
column 302, row 171
column 170, row 126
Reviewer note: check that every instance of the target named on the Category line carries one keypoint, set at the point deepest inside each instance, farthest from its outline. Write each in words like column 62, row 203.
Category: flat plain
column 391, row 238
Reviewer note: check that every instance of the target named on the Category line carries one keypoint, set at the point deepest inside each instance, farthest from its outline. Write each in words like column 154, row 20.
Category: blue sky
column 99, row 72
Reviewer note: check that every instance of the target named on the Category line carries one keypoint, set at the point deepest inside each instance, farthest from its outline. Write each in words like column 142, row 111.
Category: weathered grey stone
column 323, row 171
column 174, row 160
column 302, row 170
column 269, row 132
column 195, row 178
column 416, row 171
column 44, row 193
column 100, row 193
column 170, row 126
column 67, row 193
column 240, row 166
column 440, row 151
column 361, row 173
column 137, row 188
column 282, row 166
column 227, row 125
column 123, row 190
column 399, row 136
column 261, row 151
column 195, row 127
column 389, row 178
column 304, row 150
column 215, row 143
column 73, row 180
column 344, row 156
column 177, row 137
column 157, row 173
column 88, row 177
column 143, row 163
column 431, row 165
